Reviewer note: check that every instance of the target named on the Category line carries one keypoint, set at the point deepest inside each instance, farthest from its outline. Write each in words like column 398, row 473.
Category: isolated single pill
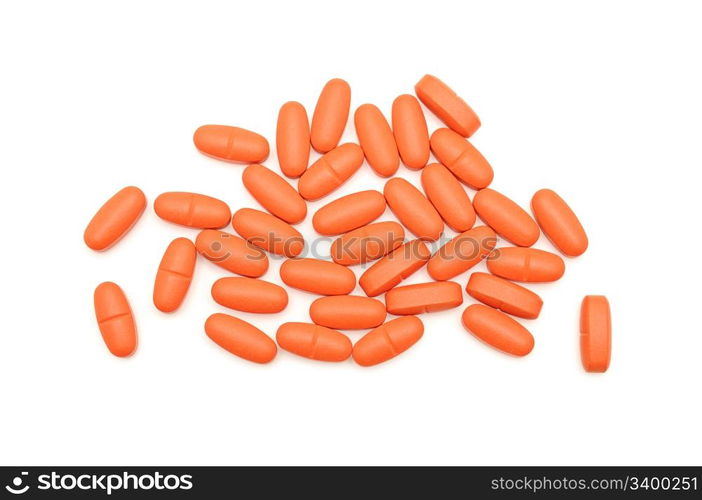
column 268, row 232
column 175, row 272
column 274, row 193
column 232, row 253
column 461, row 158
column 192, row 210
column 330, row 171
column 506, row 217
column 314, row 341
column 349, row 212
column 461, row 253
column 410, row 130
column 448, row 197
column 115, row 218
column 348, row 312
column 330, row 115
column 367, row 243
column 525, row 264
column 376, row 140
column 559, row 223
column 447, row 105
column 249, row 295
column 595, row 333
column 504, row 295
column 115, row 319
column 231, row 144
column 240, row 338
column 389, row 271
column 292, row 139
column 414, row 211
column 318, row 276
column 498, row 330
column 388, row 340
column 424, row 297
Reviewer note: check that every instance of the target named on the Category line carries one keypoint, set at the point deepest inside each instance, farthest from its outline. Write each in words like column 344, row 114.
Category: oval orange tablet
column 274, row 193
column 445, row 103
column 506, row 217
column 595, row 333
column 314, row 341
column 232, row 253
column 461, row 253
column 115, row 218
column 367, row 243
column 348, row 312
column 349, row 212
column 192, row 210
column 414, row 211
column 410, row 130
column 330, row 115
column 448, row 197
column 525, row 264
column 175, row 272
column 268, row 232
column 318, row 276
column 376, row 140
column 292, row 139
column 249, row 295
column 424, row 297
column 240, row 338
column 389, row 271
column 498, row 330
column 330, row 171
column 559, row 223
column 388, row 340
column 461, row 158
column 231, row 143
column 115, row 320
column 504, row 295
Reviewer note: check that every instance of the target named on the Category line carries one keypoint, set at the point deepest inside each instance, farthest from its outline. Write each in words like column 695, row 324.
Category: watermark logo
column 16, row 488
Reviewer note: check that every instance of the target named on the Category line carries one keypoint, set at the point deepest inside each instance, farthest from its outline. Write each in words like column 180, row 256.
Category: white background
column 601, row 102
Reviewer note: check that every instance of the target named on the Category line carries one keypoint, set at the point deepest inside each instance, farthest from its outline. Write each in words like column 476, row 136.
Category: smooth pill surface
column 461, row 253
column 504, row 295
column 330, row 171
column 525, row 264
column 376, row 140
column 447, row 105
column 268, row 232
column 388, row 340
column 349, row 212
column 595, row 333
column 448, row 197
column 367, row 243
column 424, row 297
column 115, row 218
column 240, row 338
column 192, row 210
column 318, row 276
column 330, row 115
column 414, row 211
column 231, row 143
column 175, row 272
column 232, row 253
column 348, row 312
column 314, row 341
column 498, row 330
column 559, row 223
column 115, row 320
column 507, row 218
column 249, row 295
column 292, row 139
column 461, row 158
column 410, row 129
column 389, row 271
column 274, row 193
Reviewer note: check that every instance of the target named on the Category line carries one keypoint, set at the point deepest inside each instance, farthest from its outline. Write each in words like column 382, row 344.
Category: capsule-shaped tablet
column 367, row 243
column 192, row 210
column 508, row 219
column 115, row 218
column 498, row 330
column 292, row 139
column 231, row 144
column 348, row 312
column 318, row 276
column 414, row 211
column 448, row 197
column 410, row 130
column 461, row 158
column 330, row 115
column 376, row 140
column 115, row 320
column 461, row 253
column 232, row 253
column 388, row 340
column 559, row 223
column 175, row 272
column 424, row 297
column 399, row 264
column 249, row 295
column 595, row 333
column 274, row 193
column 447, row 105
column 314, row 341
column 240, row 338
column 268, row 232
column 349, row 212
column 504, row 295
column 330, row 171
column 525, row 264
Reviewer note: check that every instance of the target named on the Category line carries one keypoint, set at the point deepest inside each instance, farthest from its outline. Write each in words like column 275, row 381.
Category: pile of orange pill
column 421, row 210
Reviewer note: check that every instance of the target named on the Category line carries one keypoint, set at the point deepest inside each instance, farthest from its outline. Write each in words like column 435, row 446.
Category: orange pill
column 314, row 341
column 175, row 272
column 231, row 143
column 268, row 232
column 240, row 338
column 399, row 264
column 559, row 223
column 504, row 295
column 448, row 197
column 461, row 158
column 115, row 218
column 274, row 193
column 506, row 217
column 424, row 297
column 414, row 211
column 410, row 130
column 461, row 253
column 595, row 333
column 388, row 340
column 232, row 253
column 249, row 295
column 376, row 140
column 498, row 330
column 525, row 264
column 292, row 139
column 192, row 210
column 367, row 243
column 115, row 319
column 330, row 171
column 318, row 276
column 445, row 103
column 330, row 115
column 348, row 312
column 349, row 212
